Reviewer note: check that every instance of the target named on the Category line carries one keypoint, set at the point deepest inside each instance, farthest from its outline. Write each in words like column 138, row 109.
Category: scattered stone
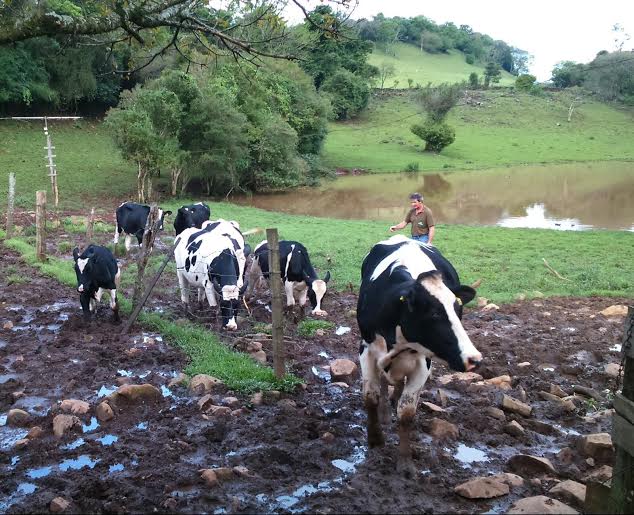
column 223, row 473
column 242, row 471
column 219, row 411
column 495, row 413
column 340, row 384
column 522, row 393
column 543, row 427
column 443, row 397
column 15, row 396
column 62, row 423
column 34, row 433
column 465, row 377
column 556, row 390
column 590, row 462
column 75, row 406
column 503, row 382
column 514, row 429
column 540, row 504
column 123, row 380
column 287, row 404
column 133, row 352
column 203, row 383
column 209, row 476
column 58, row 505
column 570, row 491
column 612, row 369
column 482, row 301
column 7, row 325
column 527, row 465
column 343, row 370
column 19, row 444
column 170, row 504
column 443, row 430
column 178, row 380
column 18, row 417
column 257, row 398
column 597, row 445
column 482, row 488
column 600, row 475
column 254, row 347
column 524, row 364
column 566, row 455
column 320, row 332
column 205, row 402
column 490, row 307
column 617, row 310
column 328, row 437
column 536, row 482
column 259, row 356
column 232, row 402
column 509, row 479
column 238, row 412
column 433, row 407
column 136, row 394
column 104, row 412
column 515, row 406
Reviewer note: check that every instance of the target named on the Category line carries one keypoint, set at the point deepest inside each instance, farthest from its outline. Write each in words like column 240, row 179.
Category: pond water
column 572, row 196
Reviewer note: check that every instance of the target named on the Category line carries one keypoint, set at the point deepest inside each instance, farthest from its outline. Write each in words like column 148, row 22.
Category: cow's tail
column 255, row 230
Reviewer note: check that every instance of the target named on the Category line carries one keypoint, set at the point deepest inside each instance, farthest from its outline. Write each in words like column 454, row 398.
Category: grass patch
column 78, row 225
column 208, row 355
column 261, row 327
column 308, row 328
column 16, row 279
column 64, row 247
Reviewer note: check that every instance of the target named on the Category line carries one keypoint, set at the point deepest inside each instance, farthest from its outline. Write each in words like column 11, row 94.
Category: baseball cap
column 416, row 196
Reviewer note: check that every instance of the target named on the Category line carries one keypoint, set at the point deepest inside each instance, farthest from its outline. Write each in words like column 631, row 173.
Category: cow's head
column 430, row 315
column 223, row 272
column 316, row 291
column 162, row 215
column 184, row 219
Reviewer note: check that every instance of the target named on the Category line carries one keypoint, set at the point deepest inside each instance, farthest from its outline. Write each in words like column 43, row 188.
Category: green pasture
column 410, row 63
column 507, row 128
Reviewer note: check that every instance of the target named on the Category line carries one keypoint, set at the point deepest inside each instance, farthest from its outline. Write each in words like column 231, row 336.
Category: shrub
column 525, row 82
column 307, row 328
column 436, row 135
column 474, row 80
column 63, row 247
column 437, row 101
column 412, row 167
column 469, row 59
column 348, row 92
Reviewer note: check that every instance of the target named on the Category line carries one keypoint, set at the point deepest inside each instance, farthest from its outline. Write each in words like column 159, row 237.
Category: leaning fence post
column 40, row 225
column 10, row 205
column 275, row 280
column 90, row 225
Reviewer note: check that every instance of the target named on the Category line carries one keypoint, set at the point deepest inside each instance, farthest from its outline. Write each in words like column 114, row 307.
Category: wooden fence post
column 90, row 226
column 275, row 280
column 10, row 205
column 622, row 491
column 147, row 244
column 40, row 225
column 52, row 169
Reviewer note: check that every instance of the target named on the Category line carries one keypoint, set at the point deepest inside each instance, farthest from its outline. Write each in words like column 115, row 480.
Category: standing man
column 421, row 218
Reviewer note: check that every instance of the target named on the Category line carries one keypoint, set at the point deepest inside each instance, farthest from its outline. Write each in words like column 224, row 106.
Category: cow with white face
column 131, row 219
column 97, row 270
column 409, row 311
column 208, row 262
column 298, row 274
column 192, row 215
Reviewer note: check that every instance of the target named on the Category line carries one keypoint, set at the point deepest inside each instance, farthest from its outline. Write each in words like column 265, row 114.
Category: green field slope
column 422, row 67
column 505, row 128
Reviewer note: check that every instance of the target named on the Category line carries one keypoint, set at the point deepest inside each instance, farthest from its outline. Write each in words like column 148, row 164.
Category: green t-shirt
column 420, row 222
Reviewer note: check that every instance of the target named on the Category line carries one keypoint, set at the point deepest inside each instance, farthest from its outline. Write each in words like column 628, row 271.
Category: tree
column 611, row 76
column 525, row 82
column 474, row 80
column 386, row 70
column 567, row 74
column 492, row 73
column 349, row 93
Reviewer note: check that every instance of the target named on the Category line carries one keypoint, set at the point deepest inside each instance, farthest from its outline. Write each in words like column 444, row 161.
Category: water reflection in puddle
column 26, row 488
column 321, row 373
column 73, row 445
column 166, row 391
column 117, row 467
column 90, row 427
column 10, row 435
column 141, row 425
column 107, row 440
column 468, row 455
column 78, row 463
column 39, row 472
column 104, row 391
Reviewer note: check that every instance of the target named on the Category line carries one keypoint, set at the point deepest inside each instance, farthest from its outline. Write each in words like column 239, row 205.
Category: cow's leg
column 396, row 394
column 211, row 295
column 84, row 300
column 371, row 391
column 407, row 411
column 242, row 261
column 303, row 294
column 113, row 295
column 184, row 287
column 117, row 233
column 288, row 288
column 128, row 242
column 385, row 414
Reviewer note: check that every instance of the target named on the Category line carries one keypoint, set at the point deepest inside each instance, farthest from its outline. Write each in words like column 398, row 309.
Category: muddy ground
column 306, row 455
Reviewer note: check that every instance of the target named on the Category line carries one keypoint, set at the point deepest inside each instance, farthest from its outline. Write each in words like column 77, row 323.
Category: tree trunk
column 140, row 183
column 149, row 189
column 176, row 174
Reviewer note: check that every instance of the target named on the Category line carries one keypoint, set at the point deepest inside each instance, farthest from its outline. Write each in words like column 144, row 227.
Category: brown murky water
column 574, row 196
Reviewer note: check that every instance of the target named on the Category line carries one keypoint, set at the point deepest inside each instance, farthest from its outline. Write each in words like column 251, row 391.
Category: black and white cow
column 97, row 270
column 207, row 261
column 131, row 220
column 192, row 215
column 409, row 310
column 297, row 274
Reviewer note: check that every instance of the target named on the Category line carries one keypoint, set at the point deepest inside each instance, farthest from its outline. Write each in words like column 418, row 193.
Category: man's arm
column 432, row 231
column 398, row 226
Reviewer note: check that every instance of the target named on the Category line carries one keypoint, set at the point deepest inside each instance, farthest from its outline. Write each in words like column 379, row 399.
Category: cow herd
column 409, row 307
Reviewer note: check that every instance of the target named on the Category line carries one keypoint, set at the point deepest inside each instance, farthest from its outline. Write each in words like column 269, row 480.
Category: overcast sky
column 550, row 30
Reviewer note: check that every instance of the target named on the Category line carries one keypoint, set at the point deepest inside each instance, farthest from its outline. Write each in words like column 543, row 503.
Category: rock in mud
column 597, row 445
column 104, row 412
column 540, row 504
column 503, row 382
column 600, row 475
column 513, row 428
column 223, row 473
column 75, row 406
column 527, row 465
column 63, row 423
column 178, row 380
column 135, row 394
column 443, row 430
column 257, row 398
column 482, row 488
column 515, row 406
column 7, row 325
column 557, row 390
column 209, row 476
column 328, row 437
column 59, row 505
column 570, row 491
column 443, row 398
column 566, row 456
column 18, row 417
column 259, row 356
column 617, row 310
column 343, row 370
column 242, row 471
column 432, row 407
column 524, row 364
column 491, row 307
column 253, row 347
column 612, row 369
column 509, row 479
column 205, row 401
column 34, row 433
column 464, row 377
column 232, row 402
column 203, row 383
column 495, row 413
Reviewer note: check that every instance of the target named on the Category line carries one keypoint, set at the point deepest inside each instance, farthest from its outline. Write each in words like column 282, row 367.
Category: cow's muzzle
column 473, row 362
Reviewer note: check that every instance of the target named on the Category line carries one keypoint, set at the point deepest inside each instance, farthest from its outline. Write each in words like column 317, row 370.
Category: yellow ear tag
column 459, row 300
column 402, row 298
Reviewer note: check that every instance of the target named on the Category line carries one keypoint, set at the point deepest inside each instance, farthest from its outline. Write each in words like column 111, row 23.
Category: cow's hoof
column 375, row 439
column 406, row 468
column 320, row 313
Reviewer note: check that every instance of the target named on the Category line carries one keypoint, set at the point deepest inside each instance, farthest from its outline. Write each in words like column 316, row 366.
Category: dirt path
column 305, row 451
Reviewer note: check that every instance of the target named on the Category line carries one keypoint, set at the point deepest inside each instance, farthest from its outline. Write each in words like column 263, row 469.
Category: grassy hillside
column 422, row 67
column 505, row 129
column 88, row 163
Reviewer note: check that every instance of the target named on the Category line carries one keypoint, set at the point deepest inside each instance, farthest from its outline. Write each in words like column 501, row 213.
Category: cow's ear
column 247, row 250
column 465, row 293
column 167, row 213
column 327, row 277
column 76, row 254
